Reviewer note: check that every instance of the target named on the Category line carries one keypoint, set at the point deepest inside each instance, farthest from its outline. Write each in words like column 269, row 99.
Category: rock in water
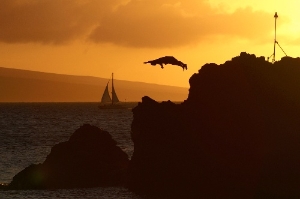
column 236, row 136
column 89, row 158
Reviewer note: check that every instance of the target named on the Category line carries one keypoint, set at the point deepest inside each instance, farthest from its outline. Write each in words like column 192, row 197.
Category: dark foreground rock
column 90, row 158
column 236, row 136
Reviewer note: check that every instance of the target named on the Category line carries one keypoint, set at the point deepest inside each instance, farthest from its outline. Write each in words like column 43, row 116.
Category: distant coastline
column 31, row 86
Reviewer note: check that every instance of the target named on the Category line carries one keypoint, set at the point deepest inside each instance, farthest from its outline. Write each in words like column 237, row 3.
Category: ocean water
column 29, row 130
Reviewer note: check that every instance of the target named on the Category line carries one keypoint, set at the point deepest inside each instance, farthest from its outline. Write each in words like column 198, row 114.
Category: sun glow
column 118, row 36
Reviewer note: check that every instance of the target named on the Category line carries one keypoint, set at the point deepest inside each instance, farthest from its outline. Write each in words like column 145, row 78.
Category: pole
column 275, row 41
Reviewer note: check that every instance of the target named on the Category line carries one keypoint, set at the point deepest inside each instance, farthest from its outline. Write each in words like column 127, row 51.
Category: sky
column 100, row 37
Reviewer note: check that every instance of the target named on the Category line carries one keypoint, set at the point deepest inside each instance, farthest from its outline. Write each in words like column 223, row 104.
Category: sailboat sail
column 114, row 94
column 105, row 97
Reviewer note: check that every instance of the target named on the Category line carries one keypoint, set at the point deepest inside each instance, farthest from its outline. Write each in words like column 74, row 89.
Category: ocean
column 29, row 130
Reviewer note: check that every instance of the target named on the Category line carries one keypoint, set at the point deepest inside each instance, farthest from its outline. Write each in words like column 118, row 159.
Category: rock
column 89, row 158
column 236, row 135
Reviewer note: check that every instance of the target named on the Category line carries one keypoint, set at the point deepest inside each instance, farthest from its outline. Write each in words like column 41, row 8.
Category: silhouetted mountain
column 30, row 86
column 236, row 136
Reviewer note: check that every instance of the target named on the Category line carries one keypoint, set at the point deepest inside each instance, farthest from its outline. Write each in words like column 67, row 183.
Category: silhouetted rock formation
column 236, row 136
column 90, row 158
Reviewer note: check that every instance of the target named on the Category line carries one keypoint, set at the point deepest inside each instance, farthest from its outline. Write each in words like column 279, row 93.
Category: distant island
column 30, row 86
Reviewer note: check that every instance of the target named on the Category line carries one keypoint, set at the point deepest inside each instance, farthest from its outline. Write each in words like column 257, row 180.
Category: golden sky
column 98, row 37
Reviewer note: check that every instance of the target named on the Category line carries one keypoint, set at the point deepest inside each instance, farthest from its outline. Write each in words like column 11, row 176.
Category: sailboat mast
column 114, row 94
column 112, row 86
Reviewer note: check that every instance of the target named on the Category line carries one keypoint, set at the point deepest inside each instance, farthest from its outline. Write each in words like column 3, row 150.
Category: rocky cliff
column 236, row 135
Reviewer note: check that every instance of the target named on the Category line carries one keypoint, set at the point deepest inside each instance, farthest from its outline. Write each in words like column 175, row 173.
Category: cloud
column 150, row 23
column 48, row 21
column 131, row 23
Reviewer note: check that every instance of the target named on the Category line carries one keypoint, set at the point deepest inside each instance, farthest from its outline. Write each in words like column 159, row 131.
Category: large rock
column 89, row 158
column 236, row 136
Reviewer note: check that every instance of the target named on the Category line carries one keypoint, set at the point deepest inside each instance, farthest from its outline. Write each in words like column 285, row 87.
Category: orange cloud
column 150, row 23
column 135, row 23
column 47, row 21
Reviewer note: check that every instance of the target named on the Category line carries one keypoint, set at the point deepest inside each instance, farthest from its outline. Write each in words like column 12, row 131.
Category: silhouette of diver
column 167, row 60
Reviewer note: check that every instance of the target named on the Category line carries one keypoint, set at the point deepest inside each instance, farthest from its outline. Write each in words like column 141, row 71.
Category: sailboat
column 112, row 102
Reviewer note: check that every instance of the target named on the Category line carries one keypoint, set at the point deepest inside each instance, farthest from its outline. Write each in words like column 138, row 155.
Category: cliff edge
column 235, row 136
